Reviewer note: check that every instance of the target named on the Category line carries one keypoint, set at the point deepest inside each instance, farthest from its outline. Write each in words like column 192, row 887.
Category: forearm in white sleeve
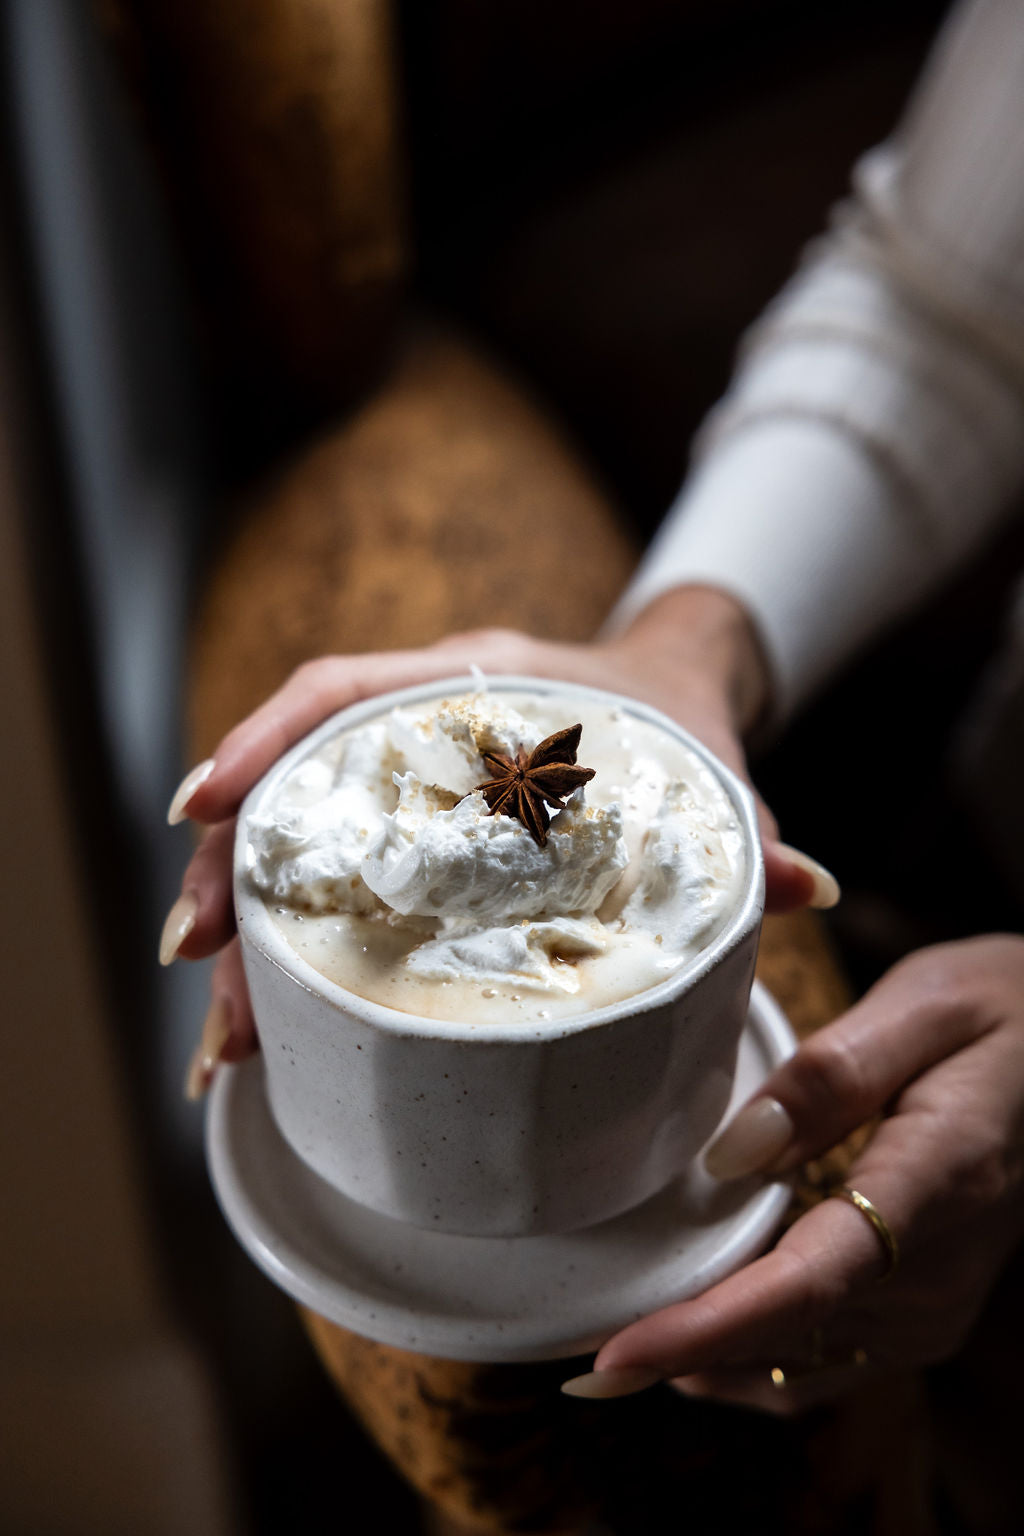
column 874, row 432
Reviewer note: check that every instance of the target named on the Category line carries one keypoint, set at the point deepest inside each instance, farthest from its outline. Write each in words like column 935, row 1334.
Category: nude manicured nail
column 615, row 1382
column 754, row 1140
column 216, row 1032
column 180, row 921
column 186, row 789
column 826, row 886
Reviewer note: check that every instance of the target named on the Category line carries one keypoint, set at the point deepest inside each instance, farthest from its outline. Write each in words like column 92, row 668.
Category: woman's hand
column 692, row 654
column 938, row 1046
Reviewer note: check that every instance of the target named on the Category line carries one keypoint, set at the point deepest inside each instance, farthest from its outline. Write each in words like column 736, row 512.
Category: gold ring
column 782, row 1379
column 885, row 1234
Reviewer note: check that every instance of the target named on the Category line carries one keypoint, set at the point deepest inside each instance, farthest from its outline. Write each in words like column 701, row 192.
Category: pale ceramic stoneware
column 499, row 1130
column 487, row 1298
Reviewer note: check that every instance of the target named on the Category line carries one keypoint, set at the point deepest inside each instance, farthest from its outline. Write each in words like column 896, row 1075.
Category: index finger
column 918, row 1014
column 317, row 689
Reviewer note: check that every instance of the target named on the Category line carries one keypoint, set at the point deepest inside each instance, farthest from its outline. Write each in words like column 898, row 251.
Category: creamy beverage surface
column 384, row 868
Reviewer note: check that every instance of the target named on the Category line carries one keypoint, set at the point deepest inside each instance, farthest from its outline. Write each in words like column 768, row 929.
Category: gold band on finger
column 885, row 1233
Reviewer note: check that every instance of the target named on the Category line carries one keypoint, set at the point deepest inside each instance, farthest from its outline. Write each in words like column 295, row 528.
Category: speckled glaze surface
column 488, row 1130
column 491, row 1299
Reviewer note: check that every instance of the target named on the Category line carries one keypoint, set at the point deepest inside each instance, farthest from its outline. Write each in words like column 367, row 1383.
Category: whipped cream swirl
column 384, row 866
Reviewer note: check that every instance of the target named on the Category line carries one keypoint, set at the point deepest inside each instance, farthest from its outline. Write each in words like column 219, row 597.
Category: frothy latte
column 382, row 866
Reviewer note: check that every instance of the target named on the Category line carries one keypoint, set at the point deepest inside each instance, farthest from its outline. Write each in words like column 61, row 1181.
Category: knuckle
column 310, row 671
column 935, row 974
column 969, row 977
column 482, row 635
column 977, row 1171
column 209, row 852
column 312, row 679
column 826, row 1070
column 987, row 1176
column 322, row 679
column 496, row 647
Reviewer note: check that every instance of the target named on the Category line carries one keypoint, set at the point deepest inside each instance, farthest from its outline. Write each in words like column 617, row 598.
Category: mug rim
column 257, row 929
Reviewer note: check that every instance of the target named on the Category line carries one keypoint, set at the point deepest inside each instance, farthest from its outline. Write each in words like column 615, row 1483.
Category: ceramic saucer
column 481, row 1298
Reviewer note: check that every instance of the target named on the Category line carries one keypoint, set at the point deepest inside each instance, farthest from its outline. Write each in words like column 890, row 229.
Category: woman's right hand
column 691, row 654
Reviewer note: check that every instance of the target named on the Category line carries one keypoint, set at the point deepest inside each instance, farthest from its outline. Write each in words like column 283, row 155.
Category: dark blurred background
column 196, row 280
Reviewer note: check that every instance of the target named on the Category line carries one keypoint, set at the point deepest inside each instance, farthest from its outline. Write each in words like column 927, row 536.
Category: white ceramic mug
column 499, row 1130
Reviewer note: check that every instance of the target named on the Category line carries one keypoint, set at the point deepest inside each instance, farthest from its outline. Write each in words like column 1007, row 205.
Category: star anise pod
column 524, row 786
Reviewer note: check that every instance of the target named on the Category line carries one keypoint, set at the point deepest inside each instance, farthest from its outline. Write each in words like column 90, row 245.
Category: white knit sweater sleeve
column 874, row 431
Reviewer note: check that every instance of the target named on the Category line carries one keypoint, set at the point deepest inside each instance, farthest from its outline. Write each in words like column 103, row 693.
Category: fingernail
column 216, row 1031
column 752, row 1141
column 826, row 887
column 186, row 789
column 614, row 1382
column 180, row 921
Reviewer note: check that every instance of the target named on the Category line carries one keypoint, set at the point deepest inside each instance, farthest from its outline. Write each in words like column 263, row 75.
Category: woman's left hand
column 937, row 1046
